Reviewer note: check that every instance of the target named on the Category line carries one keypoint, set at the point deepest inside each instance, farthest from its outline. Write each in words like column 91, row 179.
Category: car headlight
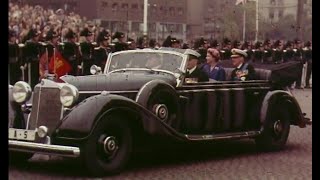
column 21, row 92
column 95, row 69
column 68, row 95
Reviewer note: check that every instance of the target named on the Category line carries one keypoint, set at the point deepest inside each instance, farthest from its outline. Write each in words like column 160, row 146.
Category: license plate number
column 22, row 134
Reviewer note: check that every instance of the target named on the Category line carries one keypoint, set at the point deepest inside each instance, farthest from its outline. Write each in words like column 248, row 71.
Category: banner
column 58, row 65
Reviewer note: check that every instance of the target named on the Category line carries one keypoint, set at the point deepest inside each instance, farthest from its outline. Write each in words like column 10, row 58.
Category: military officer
column 267, row 55
column 243, row 70
column 86, row 51
column 14, row 60
column 258, row 52
column 70, row 52
column 119, row 42
column 31, row 53
column 226, row 49
column 277, row 55
column 101, row 53
column 308, row 57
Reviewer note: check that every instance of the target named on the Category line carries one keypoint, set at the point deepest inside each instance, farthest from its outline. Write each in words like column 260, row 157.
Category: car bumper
column 64, row 151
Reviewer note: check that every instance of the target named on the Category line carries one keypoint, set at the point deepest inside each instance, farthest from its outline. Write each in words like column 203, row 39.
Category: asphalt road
column 232, row 160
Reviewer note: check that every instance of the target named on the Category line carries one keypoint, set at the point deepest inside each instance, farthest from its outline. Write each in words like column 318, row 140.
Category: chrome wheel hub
column 277, row 127
column 161, row 111
column 110, row 145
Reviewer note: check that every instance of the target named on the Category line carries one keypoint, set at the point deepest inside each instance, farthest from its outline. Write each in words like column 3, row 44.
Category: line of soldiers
column 30, row 61
column 266, row 53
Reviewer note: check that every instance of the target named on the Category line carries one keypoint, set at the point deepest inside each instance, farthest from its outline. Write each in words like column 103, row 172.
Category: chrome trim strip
column 236, row 135
column 65, row 151
column 99, row 92
column 224, row 89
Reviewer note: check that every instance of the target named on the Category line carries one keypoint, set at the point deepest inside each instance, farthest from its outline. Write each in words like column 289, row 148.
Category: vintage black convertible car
column 140, row 96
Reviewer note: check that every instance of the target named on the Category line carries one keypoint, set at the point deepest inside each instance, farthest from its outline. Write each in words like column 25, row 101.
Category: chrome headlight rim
column 68, row 95
column 21, row 92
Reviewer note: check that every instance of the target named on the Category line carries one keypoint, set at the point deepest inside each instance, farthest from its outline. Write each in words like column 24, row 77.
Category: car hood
column 117, row 81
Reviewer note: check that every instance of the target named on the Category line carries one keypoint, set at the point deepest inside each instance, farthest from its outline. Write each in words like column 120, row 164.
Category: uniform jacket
column 244, row 73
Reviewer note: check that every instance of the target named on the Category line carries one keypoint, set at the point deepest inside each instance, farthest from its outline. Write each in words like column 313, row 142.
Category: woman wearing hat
column 214, row 70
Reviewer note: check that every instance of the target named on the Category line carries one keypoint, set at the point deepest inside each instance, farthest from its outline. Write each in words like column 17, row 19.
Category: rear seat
column 261, row 74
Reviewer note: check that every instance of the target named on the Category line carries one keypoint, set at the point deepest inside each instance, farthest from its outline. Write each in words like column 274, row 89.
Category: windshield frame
column 182, row 65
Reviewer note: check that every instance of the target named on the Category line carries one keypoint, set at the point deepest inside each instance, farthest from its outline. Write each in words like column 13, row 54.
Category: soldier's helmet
column 85, row 32
column 12, row 33
column 102, row 36
column 307, row 44
column 267, row 42
column 51, row 34
column 70, row 34
column 118, row 35
column 226, row 42
column 258, row 45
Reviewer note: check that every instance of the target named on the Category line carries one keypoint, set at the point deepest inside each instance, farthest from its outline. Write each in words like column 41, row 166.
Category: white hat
column 192, row 52
column 238, row 52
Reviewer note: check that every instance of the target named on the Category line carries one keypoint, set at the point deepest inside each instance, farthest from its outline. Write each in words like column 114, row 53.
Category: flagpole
column 145, row 18
column 244, row 25
column 257, row 19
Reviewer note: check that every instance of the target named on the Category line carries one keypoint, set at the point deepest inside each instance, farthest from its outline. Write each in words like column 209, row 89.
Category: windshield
column 151, row 60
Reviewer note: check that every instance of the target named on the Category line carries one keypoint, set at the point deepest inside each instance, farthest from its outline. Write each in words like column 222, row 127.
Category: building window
column 115, row 6
column 172, row 12
column 104, row 4
column 180, row 11
column 280, row 15
column 124, row 6
column 271, row 15
column 273, row 2
column 134, row 6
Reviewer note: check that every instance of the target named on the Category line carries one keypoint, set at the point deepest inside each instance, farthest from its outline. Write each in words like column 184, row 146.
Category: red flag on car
column 58, row 65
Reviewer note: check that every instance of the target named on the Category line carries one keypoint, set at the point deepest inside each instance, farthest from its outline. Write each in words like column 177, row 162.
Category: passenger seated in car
column 194, row 74
column 243, row 70
column 154, row 62
column 212, row 67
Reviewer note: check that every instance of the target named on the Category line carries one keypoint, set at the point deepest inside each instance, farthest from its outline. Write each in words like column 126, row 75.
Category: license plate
column 22, row 134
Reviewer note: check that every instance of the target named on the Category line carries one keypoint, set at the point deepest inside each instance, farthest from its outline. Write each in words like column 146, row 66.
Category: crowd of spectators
column 22, row 18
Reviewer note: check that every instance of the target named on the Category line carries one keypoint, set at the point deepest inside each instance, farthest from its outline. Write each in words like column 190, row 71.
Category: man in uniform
column 288, row 52
column 32, row 52
column 308, row 57
column 14, row 63
column 71, row 52
column 119, row 42
column 298, row 54
column 101, row 53
column 86, row 50
column 243, row 70
column 51, row 47
column 194, row 73
column 277, row 55
column 226, row 49
column 258, row 52
column 267, row 55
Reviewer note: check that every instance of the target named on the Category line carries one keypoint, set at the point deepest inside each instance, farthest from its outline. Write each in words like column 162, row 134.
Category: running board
column 223, row 136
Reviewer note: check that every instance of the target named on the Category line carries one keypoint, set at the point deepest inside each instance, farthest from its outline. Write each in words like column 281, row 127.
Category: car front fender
column 272, row 97
column 81, row 120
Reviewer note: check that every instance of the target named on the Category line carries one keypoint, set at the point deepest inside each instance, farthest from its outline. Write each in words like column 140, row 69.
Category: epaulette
column 265, row 51
column 94, row 43
column 222, row 51
column 43, row 43
column 61, row 44
column 97, row 48
column 21, row 45
column 77, row 43
column 295, row 50
column 284, row 50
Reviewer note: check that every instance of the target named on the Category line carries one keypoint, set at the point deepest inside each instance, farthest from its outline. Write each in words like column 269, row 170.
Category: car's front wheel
column 109, row 147
column 275, row 130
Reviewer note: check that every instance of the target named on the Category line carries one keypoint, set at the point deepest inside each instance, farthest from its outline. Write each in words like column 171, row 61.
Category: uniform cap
column 238, row 53
column 85, row 32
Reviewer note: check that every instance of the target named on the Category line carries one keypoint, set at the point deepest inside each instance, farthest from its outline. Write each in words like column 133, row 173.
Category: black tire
column 95, row 158
column 160, row 95
column 16, row 157
column 275, row 130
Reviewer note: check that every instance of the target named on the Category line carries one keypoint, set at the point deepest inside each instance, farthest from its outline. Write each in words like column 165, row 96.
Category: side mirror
column 94, row 69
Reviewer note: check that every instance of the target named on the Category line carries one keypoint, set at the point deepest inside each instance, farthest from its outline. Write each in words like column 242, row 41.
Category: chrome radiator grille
column 46, row 107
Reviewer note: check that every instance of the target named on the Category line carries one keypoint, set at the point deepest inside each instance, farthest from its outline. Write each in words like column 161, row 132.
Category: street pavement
column 230, row 160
